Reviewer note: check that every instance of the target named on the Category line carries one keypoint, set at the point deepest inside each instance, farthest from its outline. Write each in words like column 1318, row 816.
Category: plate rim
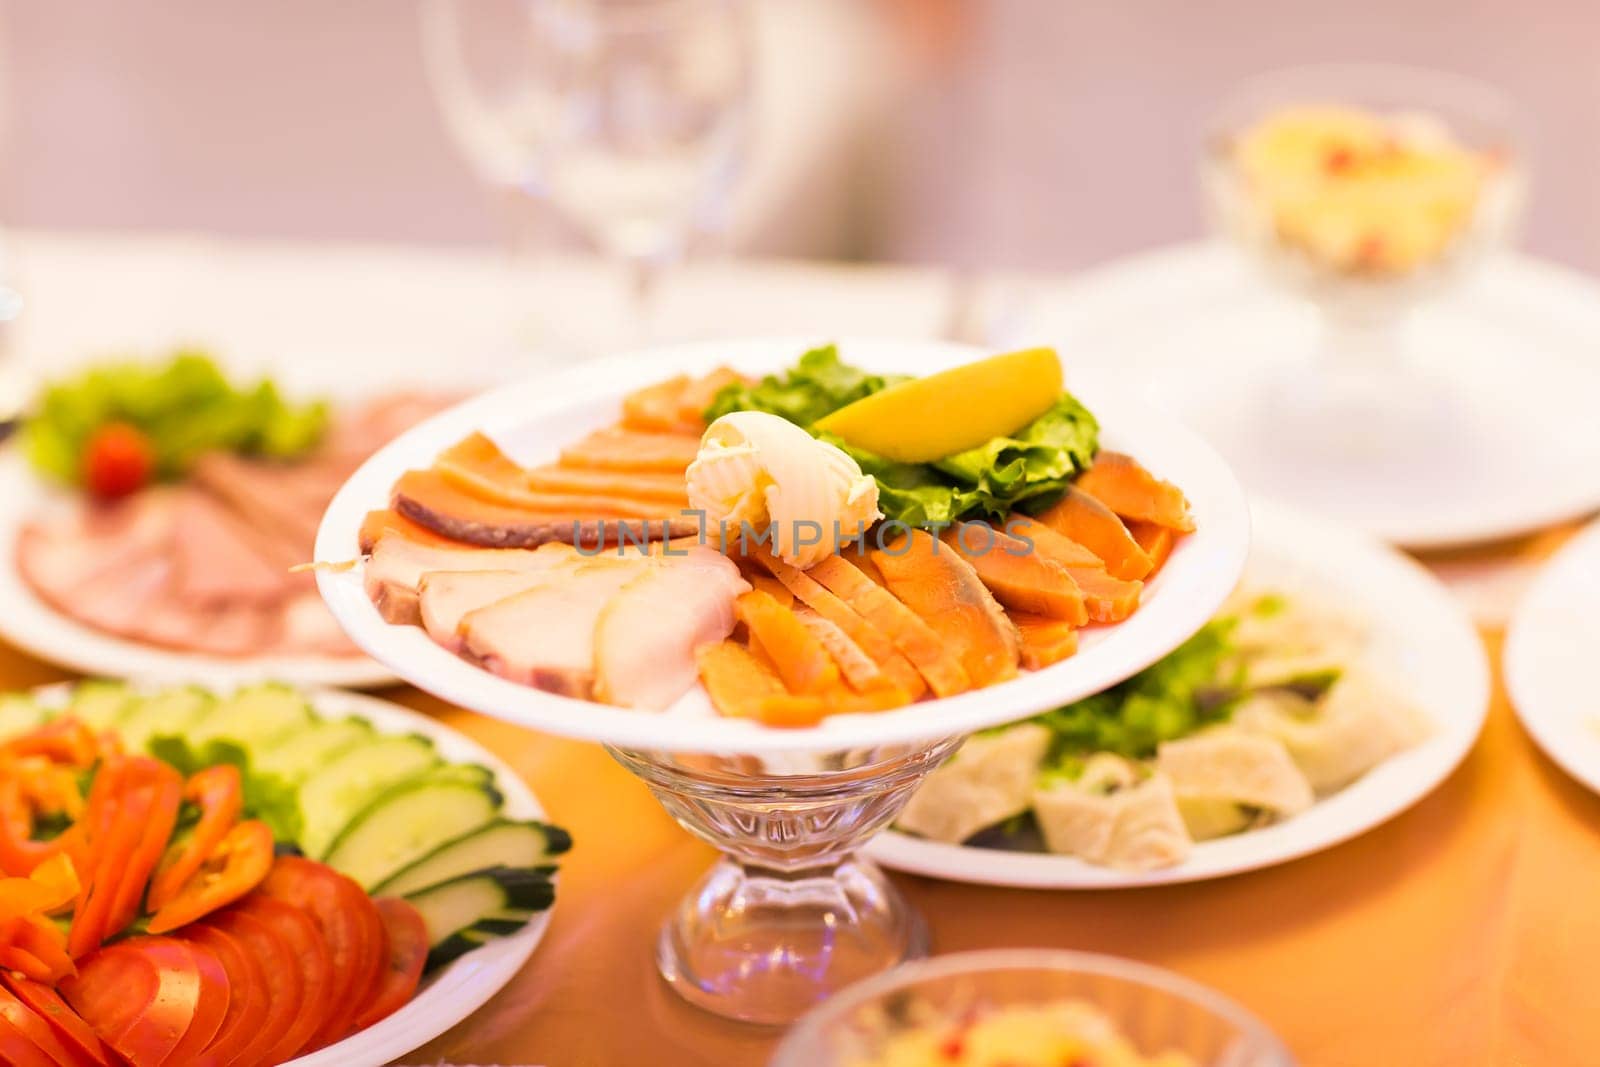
column 1551, row 730
column 409, row 1028
column 1034, row 870
column 38, row 629
column 1205, row 579
column 1554, row 290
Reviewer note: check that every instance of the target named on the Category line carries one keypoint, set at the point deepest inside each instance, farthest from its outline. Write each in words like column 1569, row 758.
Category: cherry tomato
column 220, row 793
column 310, row 954
column 350, row 925
column 236, row 866
column 284, row 988
column 139, row 996
column 117, row 460
column 48, row 1005
column 212, row 1006
column 405, row 951
column 247, row 995
column 35, row 1029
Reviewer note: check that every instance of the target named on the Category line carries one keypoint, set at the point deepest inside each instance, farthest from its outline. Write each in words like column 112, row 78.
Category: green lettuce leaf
column 266, row 796
column 1005, row 472
column 817, row 385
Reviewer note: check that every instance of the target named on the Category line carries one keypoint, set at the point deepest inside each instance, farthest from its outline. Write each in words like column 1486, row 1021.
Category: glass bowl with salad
column 1030, row 1008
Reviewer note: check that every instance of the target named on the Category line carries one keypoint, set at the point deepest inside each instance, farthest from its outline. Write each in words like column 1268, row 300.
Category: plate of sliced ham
column 636, row 632
column 190, row 579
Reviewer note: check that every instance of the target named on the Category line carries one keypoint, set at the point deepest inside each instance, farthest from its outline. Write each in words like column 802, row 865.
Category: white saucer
column 534, row 419
column 1498, row 411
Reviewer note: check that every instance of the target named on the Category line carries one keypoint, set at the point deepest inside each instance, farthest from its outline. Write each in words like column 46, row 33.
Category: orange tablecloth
column 1466, row 931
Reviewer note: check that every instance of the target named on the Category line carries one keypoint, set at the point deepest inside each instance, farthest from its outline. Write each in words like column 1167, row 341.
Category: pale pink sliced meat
column 309, row 627
column 395, row 568
column 646, row 637
column 258, row 492
column 65, row 556
column 544, row 636
column 446, row 597
column 121, row 601
column 217, row 559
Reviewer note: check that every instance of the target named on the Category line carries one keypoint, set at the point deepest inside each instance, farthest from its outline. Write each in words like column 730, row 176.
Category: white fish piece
column 1235, row 765
column 646, row 636
column 544, row 636
column 987, row 781
column 1134, row 828
column 444, row 598
column 1360, row 722
column 395, row 568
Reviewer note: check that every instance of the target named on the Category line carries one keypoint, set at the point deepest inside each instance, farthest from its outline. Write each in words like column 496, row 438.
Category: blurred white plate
column 39, row 629
column 1420, row 639
column 1502, row 423
column 1550, row 658
column 461, row 987
column 534, row 419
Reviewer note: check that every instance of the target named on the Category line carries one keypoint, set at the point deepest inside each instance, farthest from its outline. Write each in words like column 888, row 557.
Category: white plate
column 1550, row 656
column 39, row 629
column 532, row 420
column 461, row 987
column 1509, row 364
column 1420, row 639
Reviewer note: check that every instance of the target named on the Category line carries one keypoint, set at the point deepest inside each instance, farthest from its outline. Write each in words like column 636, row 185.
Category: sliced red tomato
column 220, row 793
column 48, row 1005
column 165, row 786
column 236, row 866
column 35, row 1029
column 310, row 954
column 247, row 994
column 139, row 996
column 17, row 1051
column 284, row 989
column 405, row 953
column 349, row 924
column 212, row 1006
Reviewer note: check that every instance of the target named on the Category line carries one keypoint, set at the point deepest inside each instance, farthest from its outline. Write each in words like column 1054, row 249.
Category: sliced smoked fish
column 428, row 498
column 1157, row 542
column 860, row 670
column 657, row 408
column 800, row 658
column 1080, row 517
column 671, row 489
column 387, row 521
column 737, row 680
column 1044, row 640
column 396, row 566
column 769, row 585
column 444, row 598
column 1108, row 599
column 1050, row 544
column 1018, row 575
column 477, row 467
column 872, row 640
column 647, row 634
column 698, row 394
column 860, row 557
column 944, row 590
column 1119, row 482
column 545, row 636
column 630, row 450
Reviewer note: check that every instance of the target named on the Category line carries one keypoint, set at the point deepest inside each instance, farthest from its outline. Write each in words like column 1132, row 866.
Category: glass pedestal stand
column 788, row 915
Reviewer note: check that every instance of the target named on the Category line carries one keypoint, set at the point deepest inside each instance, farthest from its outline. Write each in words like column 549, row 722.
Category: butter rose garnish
column 802, row 495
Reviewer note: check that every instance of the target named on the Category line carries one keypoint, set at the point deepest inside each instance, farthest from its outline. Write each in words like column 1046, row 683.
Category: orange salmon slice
column 1121, row 484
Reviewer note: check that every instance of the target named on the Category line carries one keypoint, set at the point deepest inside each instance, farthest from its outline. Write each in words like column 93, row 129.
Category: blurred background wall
column 1017, row 133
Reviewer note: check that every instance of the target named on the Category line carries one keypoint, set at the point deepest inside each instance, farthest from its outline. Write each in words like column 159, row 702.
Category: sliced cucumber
column 296, row 757
column 346, row 784
column 20, row 713
column 169, row 711
column 254, row 716
column 500, row 843
column 408, row 821
column 100, row 704
column 463, row 913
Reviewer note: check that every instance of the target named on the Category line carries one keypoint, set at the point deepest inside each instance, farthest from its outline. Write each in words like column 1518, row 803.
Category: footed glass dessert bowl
column 790, row 914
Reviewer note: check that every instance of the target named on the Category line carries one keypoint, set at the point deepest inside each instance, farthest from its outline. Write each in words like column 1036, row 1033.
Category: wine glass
column 1364, row 191
column 627, row 117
